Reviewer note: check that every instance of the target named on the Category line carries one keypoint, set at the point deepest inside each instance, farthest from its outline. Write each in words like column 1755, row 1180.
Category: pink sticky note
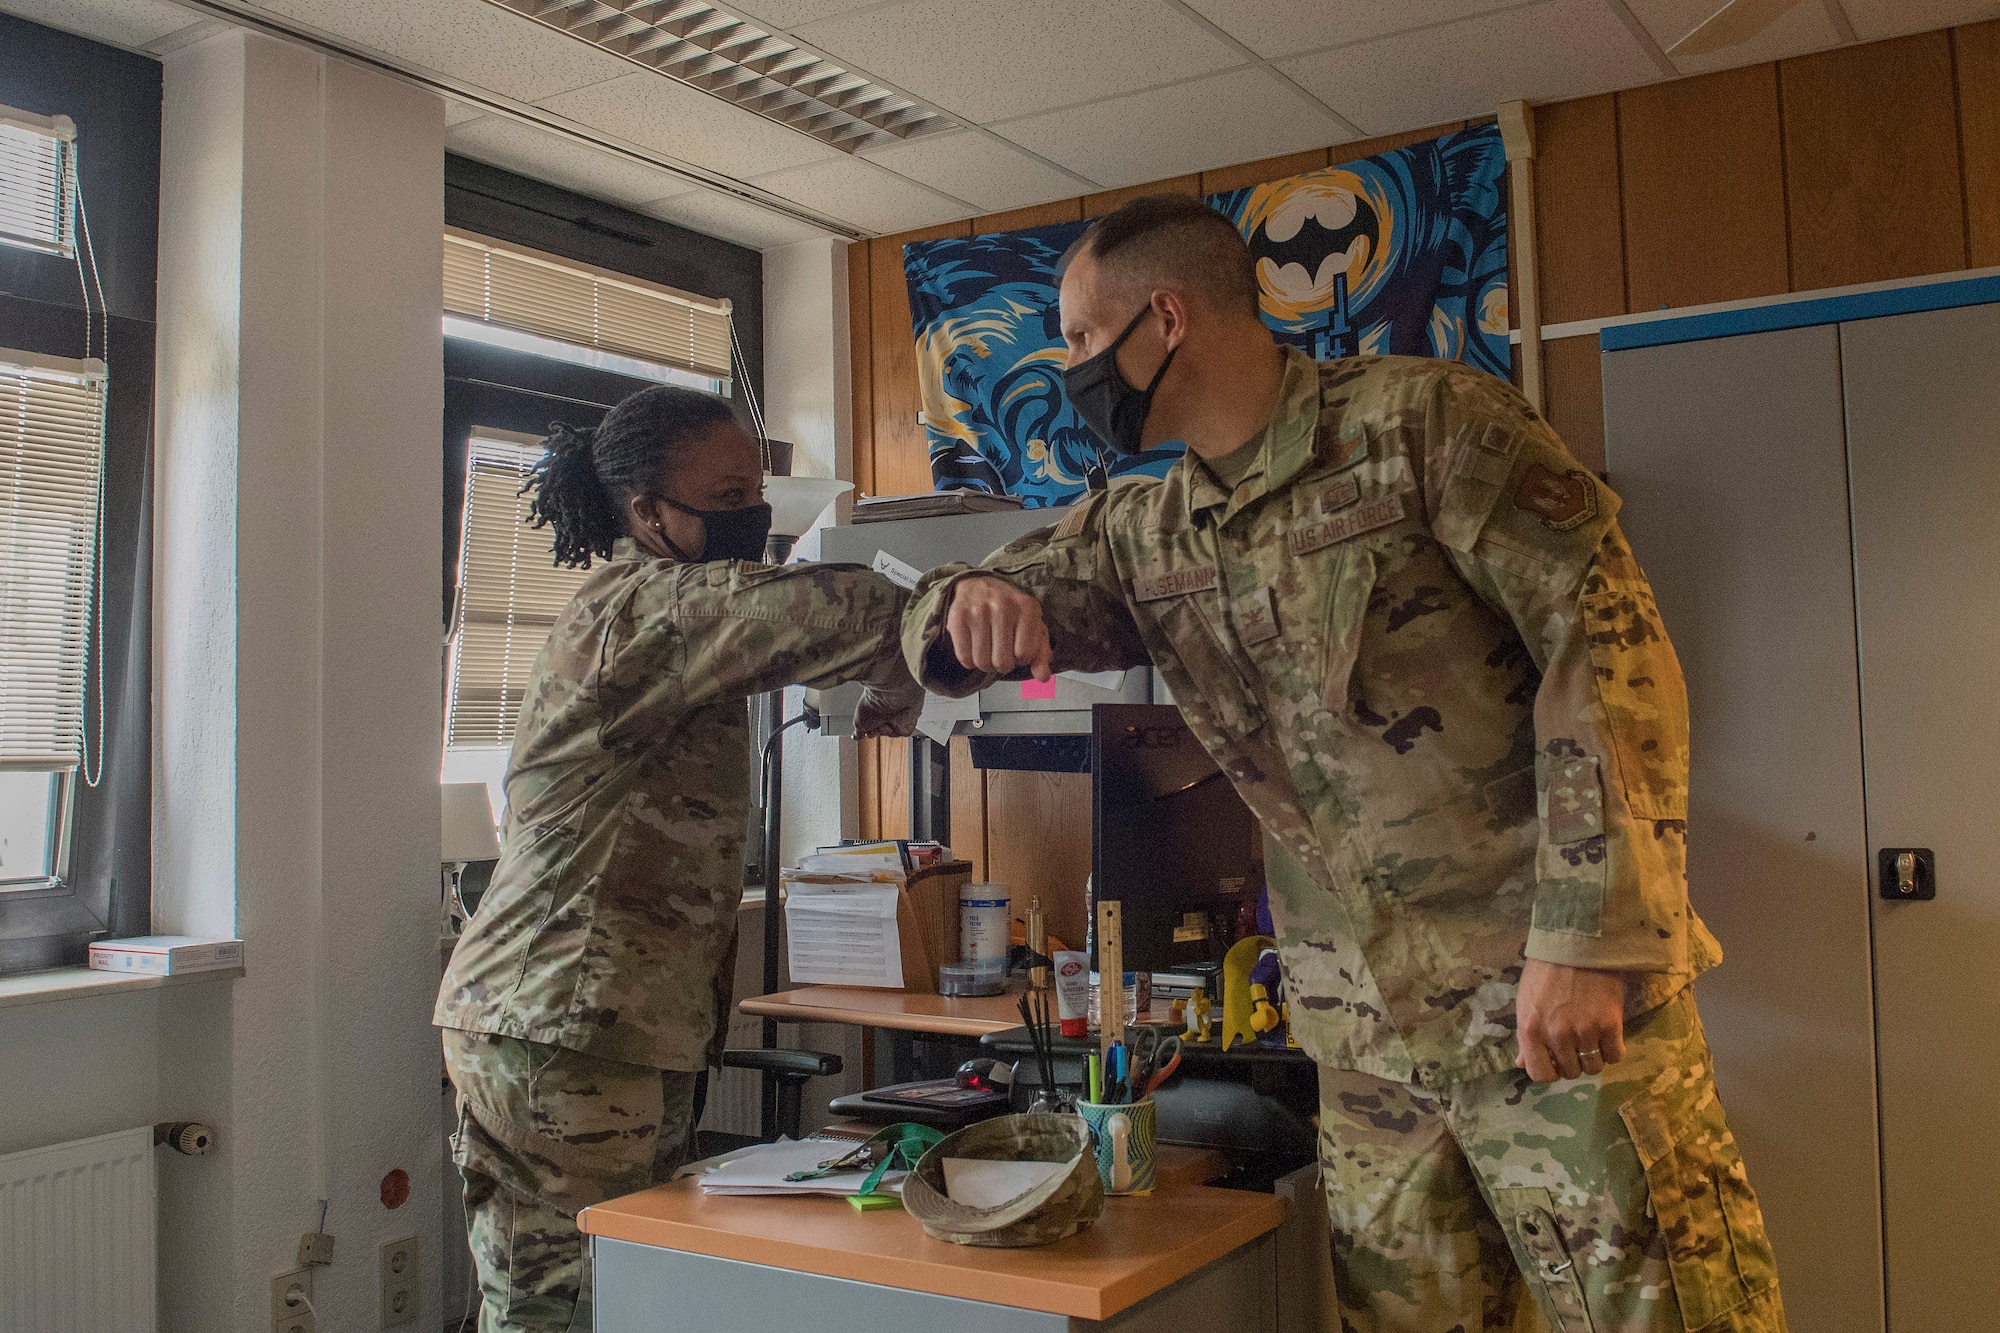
column 1038, row 689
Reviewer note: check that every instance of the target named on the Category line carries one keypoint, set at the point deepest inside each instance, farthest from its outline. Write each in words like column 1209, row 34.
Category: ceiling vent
column 734, row 59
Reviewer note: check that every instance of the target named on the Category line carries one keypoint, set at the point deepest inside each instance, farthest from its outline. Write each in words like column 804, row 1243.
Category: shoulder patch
column 1562, row 500
column 1078, row 518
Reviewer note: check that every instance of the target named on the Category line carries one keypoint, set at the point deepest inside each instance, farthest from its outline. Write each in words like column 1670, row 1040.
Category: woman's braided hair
column 586, row 478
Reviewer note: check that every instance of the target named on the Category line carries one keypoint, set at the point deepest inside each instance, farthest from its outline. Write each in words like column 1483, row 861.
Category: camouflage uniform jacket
column 1414, row 638
column 610, row 925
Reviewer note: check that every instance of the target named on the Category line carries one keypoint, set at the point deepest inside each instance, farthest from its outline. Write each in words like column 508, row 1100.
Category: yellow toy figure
column 1237, row 1003
column 1198, row 1009
column 1263, row 1014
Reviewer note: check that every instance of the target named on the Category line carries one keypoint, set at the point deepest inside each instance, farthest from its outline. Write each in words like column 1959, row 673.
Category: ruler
column 1110, row 975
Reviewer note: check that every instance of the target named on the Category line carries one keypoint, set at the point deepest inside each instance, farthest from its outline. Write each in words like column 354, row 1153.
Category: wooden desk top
column 1139, row 1246
column 866, row 1007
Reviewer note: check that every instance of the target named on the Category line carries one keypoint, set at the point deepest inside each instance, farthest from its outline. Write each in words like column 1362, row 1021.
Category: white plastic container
column 983, row 925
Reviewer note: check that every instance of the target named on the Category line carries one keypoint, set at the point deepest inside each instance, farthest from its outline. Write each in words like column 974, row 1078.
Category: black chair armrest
column 783, row 1062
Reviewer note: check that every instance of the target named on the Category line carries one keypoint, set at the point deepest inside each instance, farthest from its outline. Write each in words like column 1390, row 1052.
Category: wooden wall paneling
column 893, row 787
column 1702, row 169
column 968, row 807
column 1038, row 844
column 861, row 362
column 1382, row 143
column 1871, row 162
column 1578, row 214
column 1976, row 49
column 902, row 454
column 1270, row 169
column 868, row 795
column 1040, row 215
column 1097, row 205
column 1574, row 393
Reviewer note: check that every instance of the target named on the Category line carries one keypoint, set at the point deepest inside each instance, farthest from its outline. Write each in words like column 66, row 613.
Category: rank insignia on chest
column 1167, row 583
column 1562, row 500
column 1255, row 619
column 1377, row 513
column 1332, row 498
column 1347, row 451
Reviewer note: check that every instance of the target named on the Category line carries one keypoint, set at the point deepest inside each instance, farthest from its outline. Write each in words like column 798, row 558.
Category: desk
column 903, row 1011
column 950, row 1028
column 671, row 1258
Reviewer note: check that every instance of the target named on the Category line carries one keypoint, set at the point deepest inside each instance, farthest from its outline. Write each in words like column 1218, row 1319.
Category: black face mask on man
column 1114, row 410
column 727, row 534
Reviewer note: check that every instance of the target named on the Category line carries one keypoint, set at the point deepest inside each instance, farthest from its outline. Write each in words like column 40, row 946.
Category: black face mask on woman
column 1114, row 410
column 727, row 534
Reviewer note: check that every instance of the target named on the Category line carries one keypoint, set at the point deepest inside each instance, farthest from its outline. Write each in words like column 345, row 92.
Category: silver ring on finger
column 1593, row 1061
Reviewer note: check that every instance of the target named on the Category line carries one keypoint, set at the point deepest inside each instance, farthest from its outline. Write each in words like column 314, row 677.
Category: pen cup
column 1126, row 1144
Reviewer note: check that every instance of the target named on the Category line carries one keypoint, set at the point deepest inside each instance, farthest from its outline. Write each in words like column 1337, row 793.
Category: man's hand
column 1571, row 1020
column 995, row 627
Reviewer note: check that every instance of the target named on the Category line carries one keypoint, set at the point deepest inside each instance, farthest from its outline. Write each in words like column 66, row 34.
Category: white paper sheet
column 983, row 1184
column 941, row 716
column 897, row 572
column 762, row 1170
column 843, row 934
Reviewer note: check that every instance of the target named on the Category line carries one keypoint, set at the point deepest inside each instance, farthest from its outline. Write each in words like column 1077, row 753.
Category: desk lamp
column 466, row 838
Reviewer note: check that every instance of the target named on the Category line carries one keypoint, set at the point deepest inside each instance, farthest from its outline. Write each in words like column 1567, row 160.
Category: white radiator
column 76, row 1236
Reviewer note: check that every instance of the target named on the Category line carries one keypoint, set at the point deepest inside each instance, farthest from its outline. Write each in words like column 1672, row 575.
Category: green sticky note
column 868, row 1203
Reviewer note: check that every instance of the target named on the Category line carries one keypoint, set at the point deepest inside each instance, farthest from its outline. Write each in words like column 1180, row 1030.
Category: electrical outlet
column 398, row 1281
column 290, row 1312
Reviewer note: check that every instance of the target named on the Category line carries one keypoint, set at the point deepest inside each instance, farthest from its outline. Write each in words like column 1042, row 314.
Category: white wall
column 297, row 693
column 806, row 387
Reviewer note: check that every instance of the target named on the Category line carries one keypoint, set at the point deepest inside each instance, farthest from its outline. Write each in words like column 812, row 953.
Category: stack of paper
column 762, row 1170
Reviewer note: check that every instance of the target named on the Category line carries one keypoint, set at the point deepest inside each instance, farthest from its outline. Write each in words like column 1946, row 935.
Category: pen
column 1096, row 1080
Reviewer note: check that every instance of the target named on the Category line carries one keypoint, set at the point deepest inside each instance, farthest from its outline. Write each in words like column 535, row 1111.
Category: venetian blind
column 529, row 292
column 37, row 181
column 51, row 463
column 509, row 595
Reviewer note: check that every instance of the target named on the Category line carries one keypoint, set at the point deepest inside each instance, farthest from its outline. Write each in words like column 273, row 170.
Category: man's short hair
column 1172, row 240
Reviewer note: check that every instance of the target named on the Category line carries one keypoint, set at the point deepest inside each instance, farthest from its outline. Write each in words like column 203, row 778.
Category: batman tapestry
column 1404, row 252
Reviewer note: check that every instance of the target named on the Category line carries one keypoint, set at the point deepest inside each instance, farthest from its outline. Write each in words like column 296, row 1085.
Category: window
column 51, row 472
column 499, row 289
column 38, row 181
column 510, row 592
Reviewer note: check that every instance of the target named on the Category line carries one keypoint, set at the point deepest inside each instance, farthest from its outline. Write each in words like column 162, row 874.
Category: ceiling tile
column 1803, row 28
column 132, row 23
column 1285, row 27
column 1240, row 116
column 863, row 194
column 1876, row 19
column 989, row 59
column 980, row 170
column 669, row 117
column 1546, row 53
column 468, row 39
column 459, row 113
column 731, row 219
column 543, row 156
column 786, row 14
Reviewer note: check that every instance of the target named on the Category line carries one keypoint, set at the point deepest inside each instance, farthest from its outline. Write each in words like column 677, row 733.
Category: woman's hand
column 1571, row 1020
column 888, row 712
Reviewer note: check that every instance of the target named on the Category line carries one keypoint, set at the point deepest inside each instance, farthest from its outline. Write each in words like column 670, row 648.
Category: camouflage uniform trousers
column 544, row 1132
column 1608, row 1204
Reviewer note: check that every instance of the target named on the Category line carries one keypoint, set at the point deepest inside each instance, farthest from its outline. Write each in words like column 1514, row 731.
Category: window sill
column 75, row 983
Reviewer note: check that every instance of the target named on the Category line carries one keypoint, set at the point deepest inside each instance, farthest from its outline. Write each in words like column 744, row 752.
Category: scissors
column 1153, row 1058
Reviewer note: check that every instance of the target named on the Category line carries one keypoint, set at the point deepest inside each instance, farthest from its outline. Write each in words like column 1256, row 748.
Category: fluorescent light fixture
column 728, row 56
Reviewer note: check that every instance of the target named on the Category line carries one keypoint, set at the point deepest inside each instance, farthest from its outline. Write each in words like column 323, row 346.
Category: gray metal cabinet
column 1819, row 511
